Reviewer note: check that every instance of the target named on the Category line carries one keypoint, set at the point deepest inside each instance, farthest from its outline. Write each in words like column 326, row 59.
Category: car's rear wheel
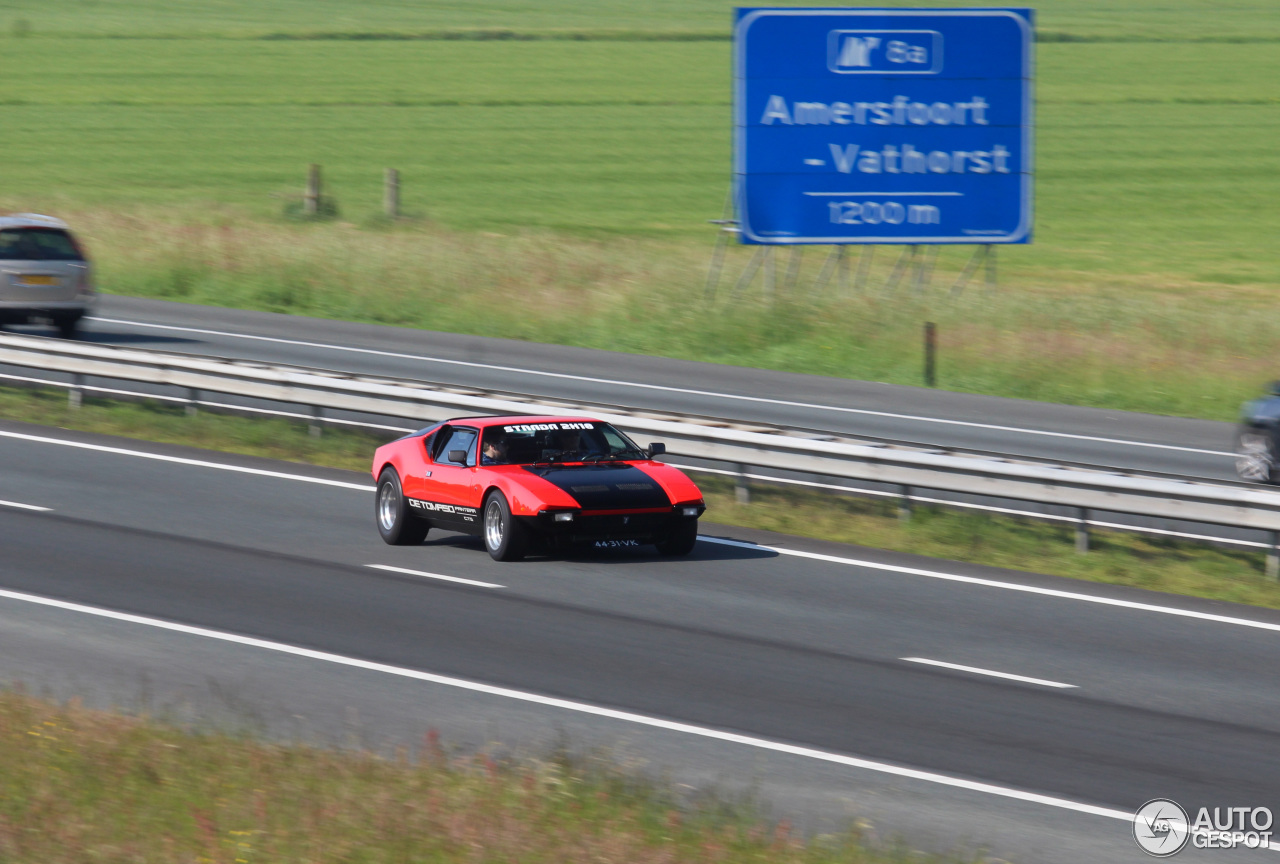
column 396, row 524
column 680, row 539
column 1255, row 456
column 505, row 538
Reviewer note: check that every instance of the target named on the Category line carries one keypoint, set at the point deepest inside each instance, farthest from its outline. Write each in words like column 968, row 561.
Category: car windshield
column 560, row 441
column 37, row 244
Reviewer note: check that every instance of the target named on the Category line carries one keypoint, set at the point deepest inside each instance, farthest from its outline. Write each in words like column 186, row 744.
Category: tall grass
column 78, row 785
column 1179, row 347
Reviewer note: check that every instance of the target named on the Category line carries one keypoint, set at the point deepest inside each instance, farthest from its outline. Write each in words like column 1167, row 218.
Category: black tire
column 680, row 539
column 67, row 326
column 1256, row 456
column 396, row 524
column 505, row 539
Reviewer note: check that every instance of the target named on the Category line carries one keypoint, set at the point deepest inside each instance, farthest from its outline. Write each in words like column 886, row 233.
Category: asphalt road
column 791, row 650
column 1041, row 430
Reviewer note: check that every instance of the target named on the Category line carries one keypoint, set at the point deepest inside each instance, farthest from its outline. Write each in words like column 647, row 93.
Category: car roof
column 522, row 419
column 31, row 220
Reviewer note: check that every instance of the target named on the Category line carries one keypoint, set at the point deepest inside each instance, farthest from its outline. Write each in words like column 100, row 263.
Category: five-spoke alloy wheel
column 505, row 539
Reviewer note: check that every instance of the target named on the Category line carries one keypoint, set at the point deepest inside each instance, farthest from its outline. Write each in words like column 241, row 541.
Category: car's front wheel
column 505, row 539
column 396, row 524
column 680, row 539
column 1255, row 456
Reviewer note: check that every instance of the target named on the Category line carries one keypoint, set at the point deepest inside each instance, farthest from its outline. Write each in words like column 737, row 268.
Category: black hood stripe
column 605, row 487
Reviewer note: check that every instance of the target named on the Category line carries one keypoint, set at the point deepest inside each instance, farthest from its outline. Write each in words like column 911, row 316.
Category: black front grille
column 630, row 525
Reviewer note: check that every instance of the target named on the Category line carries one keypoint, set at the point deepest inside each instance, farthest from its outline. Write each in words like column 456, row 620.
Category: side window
column 458, row 438
column 436, row 447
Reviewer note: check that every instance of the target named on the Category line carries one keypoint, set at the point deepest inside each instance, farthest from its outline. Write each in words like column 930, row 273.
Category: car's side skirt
column 454, row 517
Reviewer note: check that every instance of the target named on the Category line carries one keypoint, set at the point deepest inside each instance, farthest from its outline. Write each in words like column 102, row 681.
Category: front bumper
column 612, row 529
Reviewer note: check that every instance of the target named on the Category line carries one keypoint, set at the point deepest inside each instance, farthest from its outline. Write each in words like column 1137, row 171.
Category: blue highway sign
column 861, row 125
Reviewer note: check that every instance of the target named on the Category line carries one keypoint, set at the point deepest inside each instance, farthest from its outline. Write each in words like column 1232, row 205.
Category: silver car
column 44, row 273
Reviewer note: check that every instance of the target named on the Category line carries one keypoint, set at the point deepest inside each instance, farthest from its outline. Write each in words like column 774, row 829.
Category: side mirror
column 657, row 448
column 459, row 456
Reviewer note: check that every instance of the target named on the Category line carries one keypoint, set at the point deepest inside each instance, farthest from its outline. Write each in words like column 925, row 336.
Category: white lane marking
column 579, row 707
column 992, row 583
column 686, row 391
column 991, row 672
column 426, row 575
column 854, row 562
column 199, row 463
column 25, row 506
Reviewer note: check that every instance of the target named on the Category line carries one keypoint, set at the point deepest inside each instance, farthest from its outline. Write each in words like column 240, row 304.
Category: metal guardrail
column 751, row 445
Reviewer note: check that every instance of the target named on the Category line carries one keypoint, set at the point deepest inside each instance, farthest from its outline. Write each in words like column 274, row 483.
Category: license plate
column 38, row 281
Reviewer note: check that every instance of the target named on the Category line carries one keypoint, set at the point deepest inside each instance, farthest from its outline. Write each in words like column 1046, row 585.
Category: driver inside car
column 566, row 445
column 494, row 451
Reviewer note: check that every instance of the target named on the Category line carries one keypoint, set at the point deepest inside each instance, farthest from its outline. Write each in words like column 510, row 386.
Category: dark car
column 525, row 482
column 1258, row 439
column 44, row 273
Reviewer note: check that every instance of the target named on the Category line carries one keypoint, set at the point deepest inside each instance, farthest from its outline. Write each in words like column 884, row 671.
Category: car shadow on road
column 705, row 550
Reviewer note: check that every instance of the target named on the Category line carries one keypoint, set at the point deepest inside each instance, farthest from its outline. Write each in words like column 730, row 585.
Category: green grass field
column 1106, row 19
column 599, row 160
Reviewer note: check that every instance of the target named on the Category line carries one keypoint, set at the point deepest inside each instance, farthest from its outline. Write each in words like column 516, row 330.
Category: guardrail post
column 741, row 491
column 1273, row 556
column 193, row 397
column 1082, row 530
column 904, row 503
column 316, row 427
column 930, row 354
column 75, row 396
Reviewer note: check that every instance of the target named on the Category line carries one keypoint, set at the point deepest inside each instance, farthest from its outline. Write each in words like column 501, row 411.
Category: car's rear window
column 38, row 244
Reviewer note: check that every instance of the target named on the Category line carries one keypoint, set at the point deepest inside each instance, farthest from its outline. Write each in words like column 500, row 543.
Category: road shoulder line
column 579, row 707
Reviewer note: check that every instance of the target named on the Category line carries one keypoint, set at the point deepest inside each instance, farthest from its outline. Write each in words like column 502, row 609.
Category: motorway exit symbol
column 883, row 125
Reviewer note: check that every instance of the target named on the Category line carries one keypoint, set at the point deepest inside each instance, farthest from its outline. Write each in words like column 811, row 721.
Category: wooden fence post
column 391, row 194
column 311, row 199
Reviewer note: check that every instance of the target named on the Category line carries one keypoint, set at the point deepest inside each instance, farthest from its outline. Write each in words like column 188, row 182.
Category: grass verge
column 1153, row 563
column 1179, row 347
column 80, row 785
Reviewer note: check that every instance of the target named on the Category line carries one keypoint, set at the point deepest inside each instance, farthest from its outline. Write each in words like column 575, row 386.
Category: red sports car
column 523, row 481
